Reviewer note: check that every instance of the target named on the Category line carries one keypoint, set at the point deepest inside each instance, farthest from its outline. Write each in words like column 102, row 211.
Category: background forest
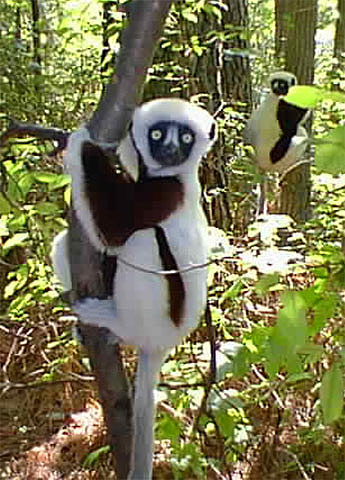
column 277, row 300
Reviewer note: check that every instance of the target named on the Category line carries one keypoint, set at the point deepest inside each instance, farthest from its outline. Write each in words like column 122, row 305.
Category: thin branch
column 297, row 461
column 22, row 129
column 273, row 392
column 6, row 386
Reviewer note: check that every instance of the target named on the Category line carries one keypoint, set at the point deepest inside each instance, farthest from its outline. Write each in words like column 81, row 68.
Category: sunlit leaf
column 233, row 291
column 5, row 207
column 54, row 178
column 308, row 97
column 47, row 208
column 332, row 394
column 17, row 240
column 304, row 96
column 190, row 16
column 330, row 152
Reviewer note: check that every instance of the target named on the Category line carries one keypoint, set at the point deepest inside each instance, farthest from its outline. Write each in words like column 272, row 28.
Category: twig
column 298, row 463
column 22, row 129
column 6, row 386
column 174, row 413
column 273, row 392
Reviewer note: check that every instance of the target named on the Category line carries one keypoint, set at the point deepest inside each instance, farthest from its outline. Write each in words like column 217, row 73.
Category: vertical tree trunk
column 220, row 77
column 225, row 76
column 18, row 31
column 339, row 66
column 338, row 74
column 36, row 31
column 295, row 45
column 339, row 39
column 91, row 272
column 106, row 23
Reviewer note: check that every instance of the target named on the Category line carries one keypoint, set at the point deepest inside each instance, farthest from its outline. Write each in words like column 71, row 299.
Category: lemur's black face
column 281, row 86
column 170, row 142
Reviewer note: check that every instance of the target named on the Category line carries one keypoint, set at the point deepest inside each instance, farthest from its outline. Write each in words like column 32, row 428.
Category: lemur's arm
column 110, row 205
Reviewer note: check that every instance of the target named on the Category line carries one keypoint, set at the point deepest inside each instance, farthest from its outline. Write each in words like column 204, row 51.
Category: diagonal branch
column 22, row 129
column 92, row 273
column 119, row 98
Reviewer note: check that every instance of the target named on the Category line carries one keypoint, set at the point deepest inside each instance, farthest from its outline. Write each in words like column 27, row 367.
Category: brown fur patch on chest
column 121, row 206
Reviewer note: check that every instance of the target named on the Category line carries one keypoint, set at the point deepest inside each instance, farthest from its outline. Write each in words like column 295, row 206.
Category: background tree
column 296, row 22
column 339, row 40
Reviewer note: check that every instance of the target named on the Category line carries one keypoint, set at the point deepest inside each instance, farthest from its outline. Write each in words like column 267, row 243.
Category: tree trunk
column 225, row 76
column 295, row 46
column 339, row 39
column 337, row 74
column 219, row 77
column 92, row 273
column 36, row 31
column 106, row 59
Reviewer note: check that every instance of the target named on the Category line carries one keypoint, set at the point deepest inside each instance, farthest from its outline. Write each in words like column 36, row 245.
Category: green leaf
column 225, row 423
column 25, row 183
column 15, row 241
column 5, row 207
column 332, row 394
column 51, row 178
column 93, row 457
column 266, row 282
column 190, row 16
column 304, row 96
column 299, row 377
column 308, row 97
column 169, row 428
column 233, row 291
column 60, row 181
column 3, row 229
column 330, row 152
column 47, row 208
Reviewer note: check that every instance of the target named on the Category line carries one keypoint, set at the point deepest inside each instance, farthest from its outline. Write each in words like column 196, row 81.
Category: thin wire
column 196, row 266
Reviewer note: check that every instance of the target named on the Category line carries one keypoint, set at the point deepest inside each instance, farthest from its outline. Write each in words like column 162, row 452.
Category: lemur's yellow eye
column 156, row 134
column 187, row 138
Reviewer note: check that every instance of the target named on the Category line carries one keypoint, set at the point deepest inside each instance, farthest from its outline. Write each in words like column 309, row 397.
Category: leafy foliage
column 277, row 307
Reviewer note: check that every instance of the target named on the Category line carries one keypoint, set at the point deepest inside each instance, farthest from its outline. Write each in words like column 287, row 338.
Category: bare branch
column 119, row 98
column 20, row 129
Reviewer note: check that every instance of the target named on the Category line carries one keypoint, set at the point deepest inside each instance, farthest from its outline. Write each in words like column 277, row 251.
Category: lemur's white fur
column 60, row 261
column 263, row 131
column 138, row 312
column 283, row 75
column 72, row 162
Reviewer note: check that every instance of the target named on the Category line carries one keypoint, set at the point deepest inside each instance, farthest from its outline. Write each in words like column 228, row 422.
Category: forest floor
column 48, row 427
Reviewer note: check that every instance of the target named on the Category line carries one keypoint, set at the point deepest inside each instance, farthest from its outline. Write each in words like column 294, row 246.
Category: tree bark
column 106, row 23
column 92, row 273
column 36, row 31
column 225, row 76
column 339, row 38
column 220, row 77
column 295, row 46
column 338, row 74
